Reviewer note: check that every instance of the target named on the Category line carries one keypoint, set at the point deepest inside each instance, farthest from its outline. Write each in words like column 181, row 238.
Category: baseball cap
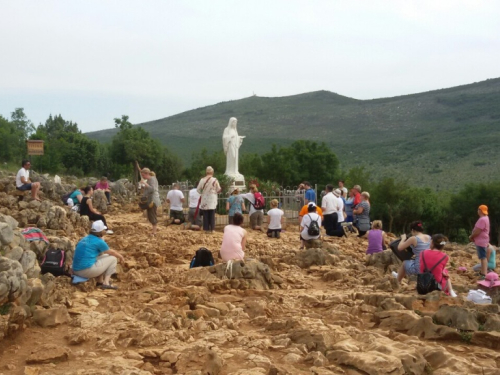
column 484, row 209
column 311, row 204
column 98, row 226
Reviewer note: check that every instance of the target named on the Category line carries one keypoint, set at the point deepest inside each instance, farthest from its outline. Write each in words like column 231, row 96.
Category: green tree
column 201, row 160
column 133, row 143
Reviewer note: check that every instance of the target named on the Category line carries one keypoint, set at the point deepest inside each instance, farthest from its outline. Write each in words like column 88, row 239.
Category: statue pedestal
column 238, row 182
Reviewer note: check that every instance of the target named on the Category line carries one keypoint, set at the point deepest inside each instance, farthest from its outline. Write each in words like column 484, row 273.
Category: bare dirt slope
column 297, row 312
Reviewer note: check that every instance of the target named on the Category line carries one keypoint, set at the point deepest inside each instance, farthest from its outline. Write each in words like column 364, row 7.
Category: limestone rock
column 199, row 358
column 48, row 353
column 13, row 281
column 99, row 201
column 6, row 234
column 398, row 320
column 51, row 317
column 248, row 274
column 9, row 220
column 373, row 363
column 457, row 317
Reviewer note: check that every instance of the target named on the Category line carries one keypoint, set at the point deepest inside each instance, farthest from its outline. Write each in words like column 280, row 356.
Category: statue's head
column 232, row 122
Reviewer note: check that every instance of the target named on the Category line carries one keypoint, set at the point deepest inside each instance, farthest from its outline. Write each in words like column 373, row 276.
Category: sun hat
column 98, row 226
column 491, row 280
column 337, row 192
column 484, row 209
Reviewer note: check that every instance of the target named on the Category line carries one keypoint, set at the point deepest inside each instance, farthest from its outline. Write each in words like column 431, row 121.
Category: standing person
column 23, row 181
column 342, row 187
column 94, row 258
column 194, row 197
column 256, row 216
column 86, row 208
column 234, row 204
column 418, row 243
column 175, row 198
column 340, row 204
column 299, row 195
column 150, row 184
column 356, row 191
column 208, row 188
column 376, row 238
column 234, row 240
column 330, row 208
column 481, row 237
column 348, row 207
column 104, row 185
column 310, row 195
column 437, row 259
column 362, row 212
column 276, row 217
column 306, row 223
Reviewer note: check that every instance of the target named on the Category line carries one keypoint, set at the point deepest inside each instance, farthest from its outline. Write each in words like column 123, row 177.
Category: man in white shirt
column 194, row 198
column 175, row 198
column 24, row 183
column 330, row 207
column 340, row 211
column 275, row 220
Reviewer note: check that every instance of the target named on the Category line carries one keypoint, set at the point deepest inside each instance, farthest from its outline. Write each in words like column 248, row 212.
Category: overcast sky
column 94, row 60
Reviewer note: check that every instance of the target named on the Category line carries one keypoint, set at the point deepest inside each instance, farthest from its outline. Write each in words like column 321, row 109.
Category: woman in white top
column 209, row 187
column 306, row 224
column 276, row 217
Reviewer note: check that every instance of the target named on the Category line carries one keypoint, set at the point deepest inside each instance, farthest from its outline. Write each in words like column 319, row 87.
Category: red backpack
column 260, row 202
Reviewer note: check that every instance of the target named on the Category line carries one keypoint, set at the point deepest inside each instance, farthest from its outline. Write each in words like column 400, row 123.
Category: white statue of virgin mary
column 232, row 142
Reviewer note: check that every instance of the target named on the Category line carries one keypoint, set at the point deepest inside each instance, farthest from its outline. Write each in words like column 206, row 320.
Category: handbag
column 144, row 203
column 403, row 255
column 199, row 199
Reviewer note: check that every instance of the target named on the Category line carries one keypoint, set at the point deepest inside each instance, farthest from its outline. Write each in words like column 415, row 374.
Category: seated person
column 175, row 198
column 306, row 225
column 418, row 243
column 75, row 197
column 276, row 217
column 234, row 240
column 491, row 254
column 435, row 256
column 104, row 185
column 86, row 208
column 94, row 258
column 23, row 182
column 376, row 238
column 194, row 198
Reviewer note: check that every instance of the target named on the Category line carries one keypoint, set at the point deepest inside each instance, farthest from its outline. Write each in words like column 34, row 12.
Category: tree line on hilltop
column 395, row 202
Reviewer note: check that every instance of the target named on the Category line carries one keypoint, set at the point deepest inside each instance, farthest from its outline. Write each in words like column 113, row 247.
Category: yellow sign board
column 35, row 147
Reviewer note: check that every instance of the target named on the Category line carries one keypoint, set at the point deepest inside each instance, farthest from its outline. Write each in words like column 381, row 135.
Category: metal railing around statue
column 290, row 200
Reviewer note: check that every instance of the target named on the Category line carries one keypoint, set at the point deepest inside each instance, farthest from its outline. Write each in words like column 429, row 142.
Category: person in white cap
column 94, row 258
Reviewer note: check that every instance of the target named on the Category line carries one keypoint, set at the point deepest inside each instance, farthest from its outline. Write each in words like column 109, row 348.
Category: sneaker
column 453, row 294
column 109, row 231
column 394, row 274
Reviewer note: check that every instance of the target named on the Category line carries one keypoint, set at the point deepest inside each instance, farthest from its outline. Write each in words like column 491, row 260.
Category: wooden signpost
column 34, row 147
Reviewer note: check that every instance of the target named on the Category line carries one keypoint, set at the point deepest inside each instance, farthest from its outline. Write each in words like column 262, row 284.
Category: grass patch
column 5, row 308
column 466, row 336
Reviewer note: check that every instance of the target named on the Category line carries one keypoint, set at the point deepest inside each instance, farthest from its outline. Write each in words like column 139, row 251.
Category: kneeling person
column 94, row 258
column 275, row 220
column 310, row 226
column 175, row 198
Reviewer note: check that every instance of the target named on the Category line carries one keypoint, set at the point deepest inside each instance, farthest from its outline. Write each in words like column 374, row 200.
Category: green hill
column 440, row 138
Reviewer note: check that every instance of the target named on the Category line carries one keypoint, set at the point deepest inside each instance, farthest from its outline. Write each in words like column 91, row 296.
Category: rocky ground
column 282, row 311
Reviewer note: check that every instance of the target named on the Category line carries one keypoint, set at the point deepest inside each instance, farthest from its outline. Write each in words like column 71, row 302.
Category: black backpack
column 65, row 197
column 202, row 258
column 53, row 262
column 313, row 228
column 426, row 282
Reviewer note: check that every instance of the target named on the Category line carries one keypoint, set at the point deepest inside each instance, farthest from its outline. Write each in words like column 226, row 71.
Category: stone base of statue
column 238, row 182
